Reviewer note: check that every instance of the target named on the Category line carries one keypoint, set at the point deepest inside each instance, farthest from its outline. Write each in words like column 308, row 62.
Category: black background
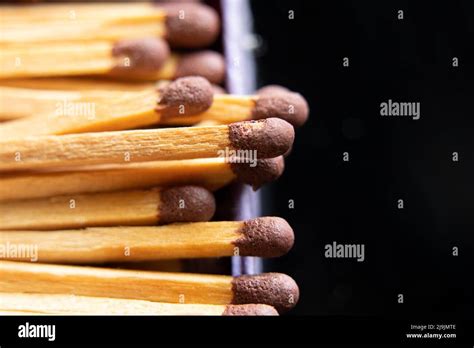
column 407, row 251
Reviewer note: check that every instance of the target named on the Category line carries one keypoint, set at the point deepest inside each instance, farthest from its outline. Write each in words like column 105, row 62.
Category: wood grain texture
column 211, row 173
column 112, row 283
column 100, row 209
column 113, row 147
column 129, row 244
column 60, row 304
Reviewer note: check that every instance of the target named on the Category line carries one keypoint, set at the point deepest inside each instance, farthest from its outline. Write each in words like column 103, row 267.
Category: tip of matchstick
column 191, row 25
column 208, row 64
column 186, row 204
column 265, row 171
column 269, row 137
column 274, row 289
column 185, row 96
column 139, row 57
column 287, row 105
column 250, row 310
column 265, row 237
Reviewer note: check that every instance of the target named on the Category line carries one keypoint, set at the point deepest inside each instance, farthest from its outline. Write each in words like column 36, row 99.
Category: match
column 140, row 59
column 273, row 289
column 263, row 237
column 60, row 304
column 182, row 25
column 210, row 173
column 186, row 101
column 265, row 138
column 126, row 208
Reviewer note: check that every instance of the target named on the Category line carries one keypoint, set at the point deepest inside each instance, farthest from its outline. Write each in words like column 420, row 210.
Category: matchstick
column 141, row 59
column 144, row 207
column 211, row 173
column 266, row 138
column 184, row 25
column 61, row 304
column 186, row 101
column 274, row 289
column 263, row 237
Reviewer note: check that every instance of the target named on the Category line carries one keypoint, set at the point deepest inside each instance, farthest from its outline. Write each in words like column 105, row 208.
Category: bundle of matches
column 183, row 25
column 96, row 189
column 186, row 101
column 120, row 40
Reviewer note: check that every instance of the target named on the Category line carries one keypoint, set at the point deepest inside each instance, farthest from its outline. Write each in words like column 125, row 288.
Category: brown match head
column 269, row 137
column 186, row 204
column 272, row 89
column 274, row 289
column 208, row 64
column 140, row 58
column 265, row 171
column 265, row 237
column 186, row 96
column 291, row 107
column 191, row 25
column 250, row 310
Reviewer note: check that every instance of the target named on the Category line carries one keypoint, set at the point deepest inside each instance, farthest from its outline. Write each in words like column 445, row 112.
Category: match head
column 250, row 310
column 290, row 106
column 269, row 137
column 191, row 25
column 208, row 64
column 272, row 89
column 265, row 237
column 274, row 289
column 185, row 96
column 186, row 204
column 140, row 57
column 266, row 171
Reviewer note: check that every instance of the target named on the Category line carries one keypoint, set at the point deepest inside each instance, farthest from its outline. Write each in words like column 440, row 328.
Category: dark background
column 407, row 251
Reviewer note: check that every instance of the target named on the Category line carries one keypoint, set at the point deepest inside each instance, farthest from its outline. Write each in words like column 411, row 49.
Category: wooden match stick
column 145, row 58
column 182, row 25
column 186, row 101
column 266, row 138
column 145, row 207
column 60, row 304
column 263, row 237
column 274, row 289
column 211, row 173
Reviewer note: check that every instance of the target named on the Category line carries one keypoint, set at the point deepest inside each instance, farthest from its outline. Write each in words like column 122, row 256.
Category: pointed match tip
column 269, row 137
column 289, row 106
column 185, row 96
column 274, row 289
column 262, row 172
column 265, row 237
column 185, row 204
column 191, row 25
column 250, row 310
column 208, row 64
column 140, row 58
